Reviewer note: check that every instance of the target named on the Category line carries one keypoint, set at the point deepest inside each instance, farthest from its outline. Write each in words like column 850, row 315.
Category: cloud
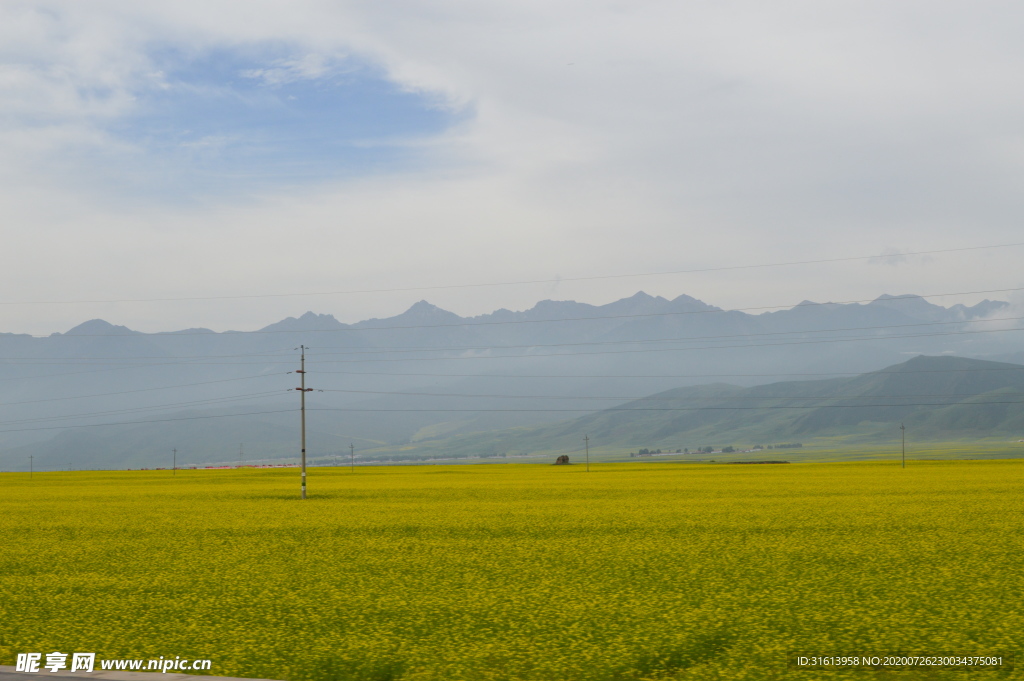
column 306, row 67
column 1006, row 318
column 684, row 134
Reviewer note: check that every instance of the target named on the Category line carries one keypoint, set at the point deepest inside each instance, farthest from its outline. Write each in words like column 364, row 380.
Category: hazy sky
column 234, row 147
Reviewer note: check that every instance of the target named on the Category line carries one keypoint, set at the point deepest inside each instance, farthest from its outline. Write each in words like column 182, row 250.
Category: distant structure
column 563, row 460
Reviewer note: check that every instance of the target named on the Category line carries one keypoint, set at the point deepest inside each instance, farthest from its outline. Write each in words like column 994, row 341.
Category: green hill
column 938, row 398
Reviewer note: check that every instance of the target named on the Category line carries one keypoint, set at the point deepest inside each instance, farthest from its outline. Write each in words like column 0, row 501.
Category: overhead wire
column 452, row 348
column 94, row 371
column 639, row 399
column 131, row 410
column 659, row 398
column 410, row 349
column 136, row 423
column 545, row 410
column 701, row 270
column 736, row 346
column 668, row 409
column 131, row 358
column 195, row 360
column 137, row 390
column 748, row 375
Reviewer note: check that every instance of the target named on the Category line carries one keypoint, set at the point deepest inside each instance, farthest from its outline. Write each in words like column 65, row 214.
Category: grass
column 535, row 572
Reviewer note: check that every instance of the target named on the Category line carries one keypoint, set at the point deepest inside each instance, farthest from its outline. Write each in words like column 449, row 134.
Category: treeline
column 699, row 450
column 405, row 458
column 728, row 449
column 652, row 452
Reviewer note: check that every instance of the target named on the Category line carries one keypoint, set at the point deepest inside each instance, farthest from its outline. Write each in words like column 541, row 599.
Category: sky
column 228, row 163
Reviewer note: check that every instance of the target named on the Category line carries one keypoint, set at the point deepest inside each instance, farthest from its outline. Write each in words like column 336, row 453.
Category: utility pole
column 174, row 466
column 352, row 454
column 30, row 466
column 586, row 442
column 903, row 437
column 302, row 392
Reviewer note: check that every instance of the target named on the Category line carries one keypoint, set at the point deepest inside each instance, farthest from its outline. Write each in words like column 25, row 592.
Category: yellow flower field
column 631, row 571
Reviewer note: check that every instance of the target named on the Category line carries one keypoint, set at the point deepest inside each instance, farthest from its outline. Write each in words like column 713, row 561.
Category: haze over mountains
column 428, row 375
column 939, row 398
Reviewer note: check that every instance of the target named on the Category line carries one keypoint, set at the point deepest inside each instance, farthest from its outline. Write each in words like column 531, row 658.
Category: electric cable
column 514, row 283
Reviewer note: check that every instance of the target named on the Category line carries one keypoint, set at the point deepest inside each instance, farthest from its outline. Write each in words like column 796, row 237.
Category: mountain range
column 428, row 378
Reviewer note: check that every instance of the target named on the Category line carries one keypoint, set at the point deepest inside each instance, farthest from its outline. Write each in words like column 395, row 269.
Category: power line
column 514, row 283
column 685, row 398
column 774, row 375
column 737, row 346
column 374, row 350
column 673, row 409
column 647, row 398
column 137, row 423
column 120, row 367
column 558, row 410
column 59, row 359
column 138, row 390
column 94, row 371
column 686, row 339
column 135, row 410
column 544, row 410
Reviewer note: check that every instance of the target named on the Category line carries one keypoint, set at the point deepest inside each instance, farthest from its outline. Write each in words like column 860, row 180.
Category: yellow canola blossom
column 493, row 572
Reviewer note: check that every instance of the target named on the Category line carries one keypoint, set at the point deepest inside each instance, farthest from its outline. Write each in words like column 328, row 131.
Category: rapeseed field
column 629, row 572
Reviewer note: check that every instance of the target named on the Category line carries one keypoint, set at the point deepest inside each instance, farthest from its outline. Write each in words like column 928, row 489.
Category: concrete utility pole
column 302, row 392
column 352, row 455
column 30, row 466
column 586, row 443
column 903, row 437
column 174, row 466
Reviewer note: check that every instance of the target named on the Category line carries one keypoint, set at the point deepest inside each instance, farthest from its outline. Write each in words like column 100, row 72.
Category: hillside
column 938, row 398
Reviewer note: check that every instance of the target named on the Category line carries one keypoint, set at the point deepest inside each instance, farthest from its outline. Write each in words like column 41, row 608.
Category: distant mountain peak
column 424, row 306
column 902, row 296
column 911, row 305
column 421, row 311
column 939, row 363
column 309, row 320
column 685, row 302
column 643, row 295
column 99, row 327
column 548, row 303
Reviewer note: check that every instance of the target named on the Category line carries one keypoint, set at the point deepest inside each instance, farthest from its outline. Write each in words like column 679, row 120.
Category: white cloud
column 607, row 137
column 306, row 67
